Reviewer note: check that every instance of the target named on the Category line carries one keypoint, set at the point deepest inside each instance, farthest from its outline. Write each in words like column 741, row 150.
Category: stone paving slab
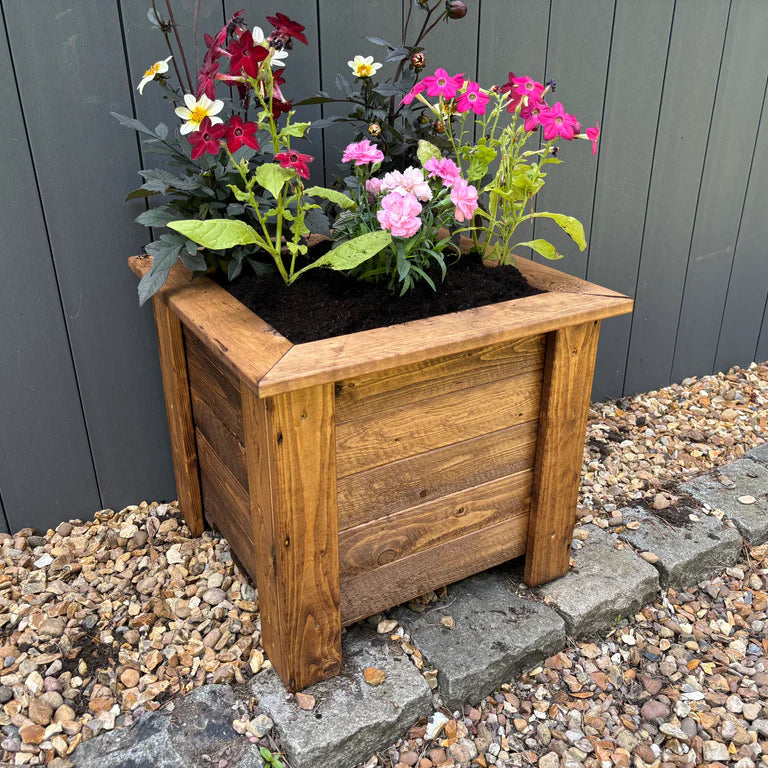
column 758, row 454
column 197, row 731
column 351, row 719
column 496, row 634
column 606, row 583
column 687, row 552
column 745, row 478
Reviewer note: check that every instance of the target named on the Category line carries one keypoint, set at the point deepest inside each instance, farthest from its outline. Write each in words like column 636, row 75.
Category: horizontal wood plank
column 394, row 434
column 226, row 504
column 369, row 394
column 415, row 480
column 398, row 582
column 394, row 537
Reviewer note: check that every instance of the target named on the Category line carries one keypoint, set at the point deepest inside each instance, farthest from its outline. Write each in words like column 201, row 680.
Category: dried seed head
column 374, row 129
column 455, row 9
column 418, row 60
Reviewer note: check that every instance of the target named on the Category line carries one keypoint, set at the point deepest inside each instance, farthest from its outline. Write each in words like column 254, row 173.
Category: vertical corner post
column 565, row 397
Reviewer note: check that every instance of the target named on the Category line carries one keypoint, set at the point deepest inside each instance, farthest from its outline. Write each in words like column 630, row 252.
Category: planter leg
column 291, row 456
column 568, row 371
column 173, row 365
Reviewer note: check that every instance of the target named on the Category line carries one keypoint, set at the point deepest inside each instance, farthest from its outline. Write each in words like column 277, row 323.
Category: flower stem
column 168, row 43
column 178, row 42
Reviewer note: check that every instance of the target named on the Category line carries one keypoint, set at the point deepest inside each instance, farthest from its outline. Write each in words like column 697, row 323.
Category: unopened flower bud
column 418, row 60
column 439, row 126
column 455, row 9
column 374, row 129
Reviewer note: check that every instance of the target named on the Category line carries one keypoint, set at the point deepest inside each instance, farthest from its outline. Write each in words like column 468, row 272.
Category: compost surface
column 323, row 303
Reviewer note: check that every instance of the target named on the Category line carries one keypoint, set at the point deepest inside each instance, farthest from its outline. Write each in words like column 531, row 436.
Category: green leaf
column 161, row 129
column 570, row 225
column 272, row 177
column 339, row 198
column 131, row 122
column 155, row 217
column 317, row 222
column 161, row 181
column 543, row 248
column 165, row 253
column 137, row 193
column 294, row 129
column 427, row 151
column 216, row 234
column 352, row 253
column 482, row 157
column 379, row 41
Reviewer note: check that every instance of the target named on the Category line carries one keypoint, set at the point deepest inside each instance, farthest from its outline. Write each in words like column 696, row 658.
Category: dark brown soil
column 323, row 303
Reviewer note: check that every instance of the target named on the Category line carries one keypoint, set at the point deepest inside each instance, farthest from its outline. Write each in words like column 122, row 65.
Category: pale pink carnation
column 399, row 213
column 464, row 197
column 410, row 181
column 444, row 169
column 362, row 152
column 373, row 186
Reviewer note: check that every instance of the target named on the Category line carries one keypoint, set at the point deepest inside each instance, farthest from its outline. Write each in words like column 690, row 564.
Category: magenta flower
column 464, row 197
column 399, row 214
column 296, row 160
column 443, row 84
column 373, row 186
column 557, row 122
column 444, row 169
column 527, row 86
column 530, row 114
column 411, row 95
column 473, row 99
column 593, row 134
column 410, row 181
column 362, row 153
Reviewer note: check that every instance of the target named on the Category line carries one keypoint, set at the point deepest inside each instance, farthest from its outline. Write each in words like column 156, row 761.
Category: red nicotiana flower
column 295, row 160
column 279, row 107
column 246, row 55
column 206, row 80
column 207, row 139
column 239, row 133
column 285, row 29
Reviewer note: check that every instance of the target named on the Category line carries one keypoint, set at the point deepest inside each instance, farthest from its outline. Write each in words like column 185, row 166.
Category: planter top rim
column 270, row 364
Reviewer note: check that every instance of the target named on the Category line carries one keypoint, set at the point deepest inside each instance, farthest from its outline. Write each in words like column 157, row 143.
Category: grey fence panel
column 577, row 59
column 452, row 44
column 761, row 352
column 632, row 100
column 726, row 172
column 689, row 88
column 748, row 284
column 85, row 162
column 46, row 471
column 4, row 528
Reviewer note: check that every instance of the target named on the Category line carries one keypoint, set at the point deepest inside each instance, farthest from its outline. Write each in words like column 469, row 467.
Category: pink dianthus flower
column 373, row 186
column 410, row 181
column 362, row 152
column 464, row 197
column 444, row 169
column 399, row 214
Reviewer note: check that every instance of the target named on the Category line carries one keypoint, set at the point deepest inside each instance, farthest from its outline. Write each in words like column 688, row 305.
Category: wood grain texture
column 235, row 336
column 562, row 424
column 226, row 504
column 396, row 433
column 394, row 537
column 366, row 395
column 173, row 366
column 417, row 479
column 290, row 446
column 398, row 582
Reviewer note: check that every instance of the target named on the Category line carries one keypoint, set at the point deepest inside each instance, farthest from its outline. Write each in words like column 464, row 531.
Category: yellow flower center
column 364, row 70
column 153, row 70
column 198, row 115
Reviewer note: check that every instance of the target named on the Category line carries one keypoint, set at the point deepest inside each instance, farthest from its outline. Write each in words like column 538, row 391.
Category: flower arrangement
column 416, row 177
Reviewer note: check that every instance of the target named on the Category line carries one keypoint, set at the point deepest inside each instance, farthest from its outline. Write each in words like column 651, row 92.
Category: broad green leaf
column 164, row 252
column 161, row 129
column 216, row 234
column 571, row 226
column 338, row 198
column 317, row 222
column 482, row 157
column 131, row 122
column 140, row 193
column 161, row 181
column 543, row 248
column 155, row 217
column 352, row 253
column 295, row 129
column 379, row 41
column 272, row 177
column 427, row 151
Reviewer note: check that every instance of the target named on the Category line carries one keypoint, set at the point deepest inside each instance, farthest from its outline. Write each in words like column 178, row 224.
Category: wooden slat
column 562, row 424
column 210, row 382
column 370, row 394
column 417, row 479
column 394, row 537
column 173, row 366
column 234, row 335
column 393, row 434
column 412, row 576
column 226, row 504
column 290, row 446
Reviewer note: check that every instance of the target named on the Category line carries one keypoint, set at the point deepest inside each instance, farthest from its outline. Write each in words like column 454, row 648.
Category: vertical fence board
column 726, row 172
column 577, row 59
column 4, row 527
column 694, row 60
column 46, row 472
column 748, row 284
column 85, row 163
column 636, row 75
column 761, row 352
column 452, row 44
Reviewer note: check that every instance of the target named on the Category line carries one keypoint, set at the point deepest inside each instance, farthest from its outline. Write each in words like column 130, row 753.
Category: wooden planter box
column 355, row 473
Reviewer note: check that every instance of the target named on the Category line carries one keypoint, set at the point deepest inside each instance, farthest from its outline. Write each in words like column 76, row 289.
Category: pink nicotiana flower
column 530, row 114
column 373, row 186
column 443, row 84
column 557, row 122
column 410, row 181
column 593, row 134
column 399, row 214
column 411, row 95
column 473, row 98
column 464, row 197
column 362, row 153
column 522, row 90
column 444, row 169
